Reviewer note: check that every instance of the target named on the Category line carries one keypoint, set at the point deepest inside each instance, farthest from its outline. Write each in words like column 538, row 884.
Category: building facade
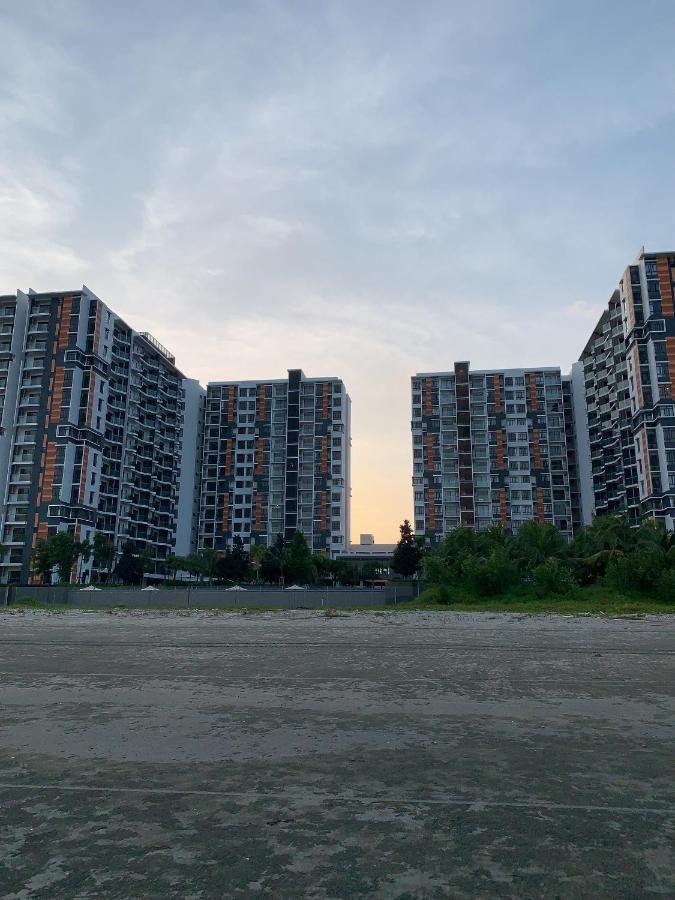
column 628, row 390
column 489, row 448
column 647, row 309
column 276, row 459
column 578, row 447
column 92, row 430
column 614, row 482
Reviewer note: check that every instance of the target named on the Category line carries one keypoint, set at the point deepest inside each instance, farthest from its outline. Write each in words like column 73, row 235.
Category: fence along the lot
column 209, row 598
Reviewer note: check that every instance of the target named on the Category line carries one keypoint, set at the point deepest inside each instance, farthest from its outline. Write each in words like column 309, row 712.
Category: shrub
column 436, row 593
column 665, row 587
column 640, row 570
column 586, row 570
column 552, row 577
column 491, row 576
column 535, row 543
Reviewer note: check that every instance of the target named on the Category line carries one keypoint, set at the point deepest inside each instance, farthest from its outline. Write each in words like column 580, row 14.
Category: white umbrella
column 235, row 587
column 296, row 587
column 90, row 587
column 150, row 587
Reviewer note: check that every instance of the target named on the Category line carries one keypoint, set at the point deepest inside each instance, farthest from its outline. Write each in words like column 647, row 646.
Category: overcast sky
column 361, row 189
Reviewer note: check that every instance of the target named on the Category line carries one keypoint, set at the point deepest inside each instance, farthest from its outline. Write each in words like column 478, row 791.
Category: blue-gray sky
column 359, row 189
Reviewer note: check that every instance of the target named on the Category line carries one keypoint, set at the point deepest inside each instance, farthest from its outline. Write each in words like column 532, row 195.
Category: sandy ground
column 292, row 755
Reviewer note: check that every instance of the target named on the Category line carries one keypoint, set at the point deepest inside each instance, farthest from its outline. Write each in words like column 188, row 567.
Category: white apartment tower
column 276, row 460
column 93, row 431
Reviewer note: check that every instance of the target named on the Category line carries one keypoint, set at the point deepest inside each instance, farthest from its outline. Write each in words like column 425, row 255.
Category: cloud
column 581, row 309
column 33, row 210
column 368, row 189
column 39, row 197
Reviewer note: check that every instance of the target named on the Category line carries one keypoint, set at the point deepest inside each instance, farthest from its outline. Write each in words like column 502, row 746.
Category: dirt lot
column 290, row 755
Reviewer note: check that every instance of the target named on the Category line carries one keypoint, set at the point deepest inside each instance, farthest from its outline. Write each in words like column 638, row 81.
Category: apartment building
column 92, row 429
column 606, row 391
column 276, row 459
column 646, row 295
column 628, row 391
column 489, row 448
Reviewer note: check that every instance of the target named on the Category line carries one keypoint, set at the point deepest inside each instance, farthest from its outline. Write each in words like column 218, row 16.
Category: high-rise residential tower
column 629, row 395
column 489, row 448
column 92, row 430
column 647, row 291
column 614, row 483
column 276, row 460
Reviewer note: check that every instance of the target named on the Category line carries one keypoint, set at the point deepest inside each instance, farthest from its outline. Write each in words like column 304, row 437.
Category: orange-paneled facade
column 277, row 460
column 647, row 291
column 57, row 443
column 489, row 448
column 97, row 437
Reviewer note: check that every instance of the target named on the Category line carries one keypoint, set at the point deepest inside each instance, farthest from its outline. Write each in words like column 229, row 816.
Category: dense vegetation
column 537, row 560
column 285, row 562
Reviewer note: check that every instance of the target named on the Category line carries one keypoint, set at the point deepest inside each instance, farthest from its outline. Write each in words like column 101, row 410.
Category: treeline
column 62, row 554
column 287, row 562
column 536, row 559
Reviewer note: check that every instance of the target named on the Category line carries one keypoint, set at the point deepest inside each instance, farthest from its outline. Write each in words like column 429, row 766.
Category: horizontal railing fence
column 209, row 597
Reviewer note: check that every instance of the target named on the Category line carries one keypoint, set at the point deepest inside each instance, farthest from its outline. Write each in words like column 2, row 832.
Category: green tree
column 370, row 570
column 273, row 561
column 147, row 560
column 256, row 555
column 650, row 533
column 240, row 561
column 42, row 561
column 172, row 564
column 492, row 575
column 104, row 553
column 129, row 567
column 234, row 564
column 407, row 556
column 443, row 564
column 552, row 577
column 194, row 565
column 209, row 558
column 85, row 551
column 326, row 568
column 593, row 548
column 347, row 572
column 534, row 543
column 271, row 567
column 64, row 552
column 639, row 570
column 299, row 567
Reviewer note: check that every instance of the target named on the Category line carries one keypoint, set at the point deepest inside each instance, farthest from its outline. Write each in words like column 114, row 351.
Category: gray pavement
column 292, row 755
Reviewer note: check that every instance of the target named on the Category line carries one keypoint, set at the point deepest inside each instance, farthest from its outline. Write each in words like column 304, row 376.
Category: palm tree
column 256, row 554
column 172, row 564
column 535, row 543
column 209, row 559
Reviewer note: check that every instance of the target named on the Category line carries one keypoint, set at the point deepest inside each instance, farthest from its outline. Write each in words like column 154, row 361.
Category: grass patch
column 594, row 600
column 29, row 603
